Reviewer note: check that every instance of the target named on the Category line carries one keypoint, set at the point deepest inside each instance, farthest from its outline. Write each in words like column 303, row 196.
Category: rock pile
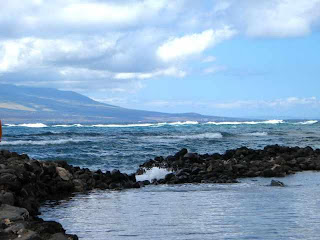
column 25, row 183
column 272, row 161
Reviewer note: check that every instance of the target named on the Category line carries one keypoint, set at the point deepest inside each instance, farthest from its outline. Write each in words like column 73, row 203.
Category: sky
column 248, row 58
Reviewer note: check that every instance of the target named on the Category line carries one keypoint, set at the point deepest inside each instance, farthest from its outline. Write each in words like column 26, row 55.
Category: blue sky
column 217, row 57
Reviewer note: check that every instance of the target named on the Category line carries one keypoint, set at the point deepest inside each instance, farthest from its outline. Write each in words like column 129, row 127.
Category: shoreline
column 26, row 183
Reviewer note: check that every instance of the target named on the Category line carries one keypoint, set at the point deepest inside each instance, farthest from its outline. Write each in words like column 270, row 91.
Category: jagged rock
column 58, row 236
column 6, row 197
column 28, row 235
column 13, row 213
column 15, row 228
column 64, row 174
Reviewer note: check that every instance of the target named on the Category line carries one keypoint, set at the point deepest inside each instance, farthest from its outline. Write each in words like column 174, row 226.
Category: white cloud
column 80, row 43
column 283, row 18
column 129, row 13
column 193, row 44
column 172, row 71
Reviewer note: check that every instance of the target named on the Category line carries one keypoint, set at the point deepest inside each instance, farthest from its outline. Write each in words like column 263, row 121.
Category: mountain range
column 20, row 104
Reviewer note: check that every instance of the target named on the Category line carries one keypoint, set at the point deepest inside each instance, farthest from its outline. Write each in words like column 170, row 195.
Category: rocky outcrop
column 25, row 183
column 272, row 161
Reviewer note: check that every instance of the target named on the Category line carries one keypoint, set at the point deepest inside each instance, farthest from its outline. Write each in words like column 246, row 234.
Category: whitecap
column 256, row 134
column 310, row 122
column 32, row 125
column 153, row 173
column 202, row 136
column 247, row 123
column 10, row 125
column 68, row 125
column 184, row 123
column 123, row 125
column 42, row 143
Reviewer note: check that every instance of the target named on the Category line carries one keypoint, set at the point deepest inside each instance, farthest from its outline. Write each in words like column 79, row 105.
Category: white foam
column 10, row 125
column 308, row 122
column 32, row 125
column 153, row 173
column 201, row 136
column 184, row 123
column 70, row 125
column 46, row 142
column 257, row 134
column 123, row 125
column 247, row 123
column 273, row 122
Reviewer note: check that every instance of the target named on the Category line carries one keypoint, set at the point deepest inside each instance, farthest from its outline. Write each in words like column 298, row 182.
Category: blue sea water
column 124, row 147
column 248, row 210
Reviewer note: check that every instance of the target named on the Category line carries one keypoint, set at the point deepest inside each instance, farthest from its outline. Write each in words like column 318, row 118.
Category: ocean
column 247, row 210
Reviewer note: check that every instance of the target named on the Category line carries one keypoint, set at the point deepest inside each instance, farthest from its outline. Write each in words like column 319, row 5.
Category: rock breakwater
column 25, row 183
column 272, row 161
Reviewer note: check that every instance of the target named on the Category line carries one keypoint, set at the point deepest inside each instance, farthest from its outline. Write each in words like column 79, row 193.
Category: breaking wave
column 202, row 136
column 310, row 122
column 123, row 125
column 41, row 142
column 145, row 124
column 256, row 134
column 248, row 122
column 153, row 173
column 68, row 125
column 183, row 123
column 30, row 125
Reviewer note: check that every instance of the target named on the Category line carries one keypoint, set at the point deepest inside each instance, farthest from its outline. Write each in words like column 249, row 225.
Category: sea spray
column 153, row 173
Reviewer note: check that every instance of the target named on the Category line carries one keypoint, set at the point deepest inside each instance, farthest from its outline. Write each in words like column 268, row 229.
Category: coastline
column 26, row 183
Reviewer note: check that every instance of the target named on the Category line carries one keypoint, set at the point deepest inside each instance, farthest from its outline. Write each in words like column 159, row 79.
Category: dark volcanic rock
column 272, row 161
column 275, row 183
column 25, row 183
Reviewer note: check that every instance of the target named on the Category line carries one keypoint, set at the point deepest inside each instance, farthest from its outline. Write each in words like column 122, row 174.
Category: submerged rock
column 275, row 183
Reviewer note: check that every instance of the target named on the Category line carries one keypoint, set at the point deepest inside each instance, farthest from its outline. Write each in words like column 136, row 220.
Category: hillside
column 30, row 104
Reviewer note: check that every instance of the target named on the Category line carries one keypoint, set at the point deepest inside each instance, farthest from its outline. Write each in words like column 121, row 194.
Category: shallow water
column 248, row 210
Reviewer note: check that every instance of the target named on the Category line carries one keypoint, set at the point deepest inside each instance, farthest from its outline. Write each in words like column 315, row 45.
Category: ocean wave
column 68, row 125
column 183, row 123
column 256, row 134
column 216, row 135
column 247, row 123
column 145, row 124
column 30, row 125
column 310, row 122
column 42, row 142
column 123, row 125
column 153, row 173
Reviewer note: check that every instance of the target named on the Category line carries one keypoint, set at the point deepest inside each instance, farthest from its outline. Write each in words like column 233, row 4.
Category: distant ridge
column 21, row 104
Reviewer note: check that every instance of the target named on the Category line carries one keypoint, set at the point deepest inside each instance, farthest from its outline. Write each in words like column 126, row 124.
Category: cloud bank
column 116, row 45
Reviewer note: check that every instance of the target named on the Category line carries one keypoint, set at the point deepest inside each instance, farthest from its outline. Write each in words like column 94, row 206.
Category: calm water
column 249, row 210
